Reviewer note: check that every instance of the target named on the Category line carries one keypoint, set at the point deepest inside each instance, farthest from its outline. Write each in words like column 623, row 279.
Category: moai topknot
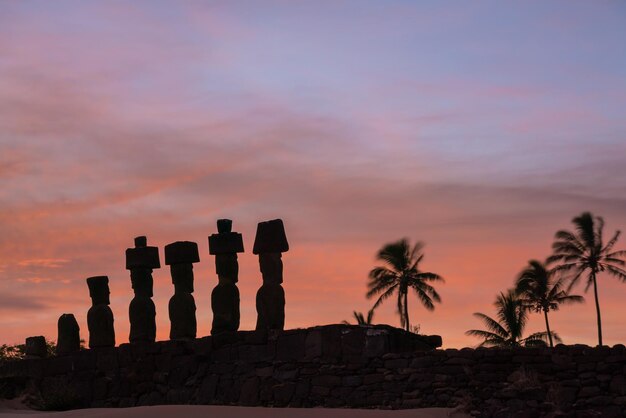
column 225, row 296
column 69, row 335
column 140, row 261
column 180, row 256
column 100, row 316
column 269, row 243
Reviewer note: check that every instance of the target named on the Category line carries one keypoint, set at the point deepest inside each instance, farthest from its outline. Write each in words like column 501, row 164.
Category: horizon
column 479, row 130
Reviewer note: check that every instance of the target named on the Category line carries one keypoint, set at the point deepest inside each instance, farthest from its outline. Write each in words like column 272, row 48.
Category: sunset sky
column 479, row 128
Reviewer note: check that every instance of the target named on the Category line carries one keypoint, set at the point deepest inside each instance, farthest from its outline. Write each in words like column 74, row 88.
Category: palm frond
column 426, row 276
column 612, row 260
column 616, row 272
column 611, row 242
column 493, row 325
column 567, row 299
column 395, row 254
column 384, row 296
column 567, row 236
column 540, row 338
column 427, row 289
column 585, row 226
column 425, row 299
column 380, row 279
column 621, row 253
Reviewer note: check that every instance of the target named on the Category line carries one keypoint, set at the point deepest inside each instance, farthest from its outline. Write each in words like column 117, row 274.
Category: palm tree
column 539, row 291
column 507, row 330
column 583, row 251
column 400, row 274
column 360, row 318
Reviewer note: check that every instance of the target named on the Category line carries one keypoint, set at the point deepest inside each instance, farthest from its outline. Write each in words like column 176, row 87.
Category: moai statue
column 100, row 316
column 140, row 261
column 36, row 347
column 180, row 256
column 269, row 243
column 225, row 296
column 69, row 335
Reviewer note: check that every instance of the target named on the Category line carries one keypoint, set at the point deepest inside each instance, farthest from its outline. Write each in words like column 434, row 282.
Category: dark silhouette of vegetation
column 400, row 274
column 538, row 290
column 12, row 352
column 508, row 329
column 361, row 319
column 583, row 251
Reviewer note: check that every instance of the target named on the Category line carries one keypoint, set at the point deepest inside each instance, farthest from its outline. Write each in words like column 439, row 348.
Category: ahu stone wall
column 332, row 366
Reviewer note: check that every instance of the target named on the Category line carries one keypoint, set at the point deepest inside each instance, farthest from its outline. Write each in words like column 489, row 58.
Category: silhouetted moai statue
column 100, row 316
column 36, row 347
column 225, row 296
column 180, row 256
column 140, row 261
column 269, row 243
column 68, row 340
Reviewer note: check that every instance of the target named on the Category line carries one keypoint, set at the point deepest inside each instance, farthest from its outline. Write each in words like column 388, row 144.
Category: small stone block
column 225, row 243
column 270, row 237
column 181, row 252
column 36, row 347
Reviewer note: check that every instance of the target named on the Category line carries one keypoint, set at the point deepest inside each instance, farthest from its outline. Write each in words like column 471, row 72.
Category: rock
column 328, row 381
column 396, row 363
column 283, row 393
column 618, row 385
column 249, row 392
column 589, row 391
column 313, row 345
column 36, row 347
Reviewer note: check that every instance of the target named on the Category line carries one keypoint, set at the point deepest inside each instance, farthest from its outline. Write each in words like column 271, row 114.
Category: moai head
column 269, row 243
column 99, row 290
column 180, row 256
column 271, row 266
column 227, row 268
column 140, row 261
column 224, row 246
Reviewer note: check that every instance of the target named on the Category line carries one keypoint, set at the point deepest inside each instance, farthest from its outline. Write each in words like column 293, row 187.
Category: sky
column 479, row 128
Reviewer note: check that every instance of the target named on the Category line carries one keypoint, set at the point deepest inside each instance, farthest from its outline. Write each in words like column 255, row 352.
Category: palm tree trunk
column 406, row 310
column 545, row 314
column 595, row 294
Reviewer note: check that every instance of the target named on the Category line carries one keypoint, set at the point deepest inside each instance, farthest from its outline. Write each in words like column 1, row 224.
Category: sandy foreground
column 10, row 409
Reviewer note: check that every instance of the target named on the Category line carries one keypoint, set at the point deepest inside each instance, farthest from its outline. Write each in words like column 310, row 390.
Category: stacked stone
column 270, row 242
column 141, row 260
column 68, row 340
column 180, row 256
column 225, row 296
column 100, row 316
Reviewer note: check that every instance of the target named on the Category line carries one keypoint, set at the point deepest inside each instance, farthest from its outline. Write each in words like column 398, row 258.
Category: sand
column 9, row 410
